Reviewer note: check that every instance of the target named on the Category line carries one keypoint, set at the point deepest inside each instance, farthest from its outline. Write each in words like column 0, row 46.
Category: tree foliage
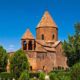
column 72, row 47
column 3, row 59
column 75, row 72
column 18, row 63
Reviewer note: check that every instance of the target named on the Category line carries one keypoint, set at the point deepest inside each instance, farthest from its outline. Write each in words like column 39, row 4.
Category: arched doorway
column 30, row 45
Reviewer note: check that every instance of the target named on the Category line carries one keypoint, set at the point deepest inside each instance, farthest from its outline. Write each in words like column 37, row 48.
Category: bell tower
column 28, row 41
column 47, row 29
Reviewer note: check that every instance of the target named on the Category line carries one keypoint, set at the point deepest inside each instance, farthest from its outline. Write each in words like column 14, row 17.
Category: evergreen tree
column 72, row 47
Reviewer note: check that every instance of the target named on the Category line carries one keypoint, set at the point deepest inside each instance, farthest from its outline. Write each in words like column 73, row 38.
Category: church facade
column 44, row 53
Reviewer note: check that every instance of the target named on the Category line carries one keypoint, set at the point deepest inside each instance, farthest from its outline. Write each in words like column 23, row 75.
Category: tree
column 75, row 72
column 24, row 76
column 72, row 47
column 18, row 63
column 3, row 59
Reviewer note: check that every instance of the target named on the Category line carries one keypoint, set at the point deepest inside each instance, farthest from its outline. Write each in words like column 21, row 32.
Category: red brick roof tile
column 28, row 35
column 49, row 49
column 47, row 21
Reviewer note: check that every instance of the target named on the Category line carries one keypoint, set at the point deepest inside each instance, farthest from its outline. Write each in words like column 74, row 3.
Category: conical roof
column 28, row 35
column 47, row 21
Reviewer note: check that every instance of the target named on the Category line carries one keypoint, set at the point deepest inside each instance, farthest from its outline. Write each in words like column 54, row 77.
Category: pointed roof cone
column 28, row 35
column 47, row 21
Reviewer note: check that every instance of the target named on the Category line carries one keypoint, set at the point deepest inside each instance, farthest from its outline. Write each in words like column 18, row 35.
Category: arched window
column 42, row 37
column 30, row 45
column 24, row 45
column 53, row 36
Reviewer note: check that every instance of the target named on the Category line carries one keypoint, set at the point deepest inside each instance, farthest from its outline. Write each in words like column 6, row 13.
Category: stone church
column 44, row 53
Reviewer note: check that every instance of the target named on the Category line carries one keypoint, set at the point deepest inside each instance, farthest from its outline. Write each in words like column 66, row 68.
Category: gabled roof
column 47, row 21
column 56, row 43
column 43, row 43
column 45, row 46
column 28, row 35
column 49, row 49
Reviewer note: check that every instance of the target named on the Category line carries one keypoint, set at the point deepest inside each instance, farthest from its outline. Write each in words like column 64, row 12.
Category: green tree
column 3, row 59
column 24, row 76
column 72, row 47
column 18, row 63
column 75, row 72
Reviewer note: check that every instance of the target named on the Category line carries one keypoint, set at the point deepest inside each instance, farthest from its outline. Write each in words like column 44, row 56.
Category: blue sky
column 18, row 15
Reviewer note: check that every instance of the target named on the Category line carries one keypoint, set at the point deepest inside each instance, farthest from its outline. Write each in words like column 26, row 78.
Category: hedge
column 5, row 75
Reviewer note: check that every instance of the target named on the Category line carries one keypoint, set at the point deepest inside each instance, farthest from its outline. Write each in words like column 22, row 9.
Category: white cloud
column 11, row 48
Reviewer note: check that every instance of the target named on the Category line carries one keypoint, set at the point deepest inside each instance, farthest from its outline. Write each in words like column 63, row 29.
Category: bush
column 24, row 76
column 75, row 72
column 5, row 75
column 42, row 76
column 63, row 76
column 52, row 76
column 32, row 75
column 34, row 78
column 59, row 75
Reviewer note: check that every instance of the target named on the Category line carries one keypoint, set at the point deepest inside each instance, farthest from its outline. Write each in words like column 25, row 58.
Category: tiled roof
column 43, row 43
column 56, row 43
column 47, row 21
column 38, row 50
column 45, row 46
column 28, row 35
column 49, row 49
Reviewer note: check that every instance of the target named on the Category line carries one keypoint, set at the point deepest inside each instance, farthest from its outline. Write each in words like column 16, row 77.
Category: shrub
column 75, row 72
column 6, row 75
column 63, row 76
column 32, row 74
column 42, row 76
column 59, row 75
column 34, row 78
column 24, row 76
column 52, row 76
